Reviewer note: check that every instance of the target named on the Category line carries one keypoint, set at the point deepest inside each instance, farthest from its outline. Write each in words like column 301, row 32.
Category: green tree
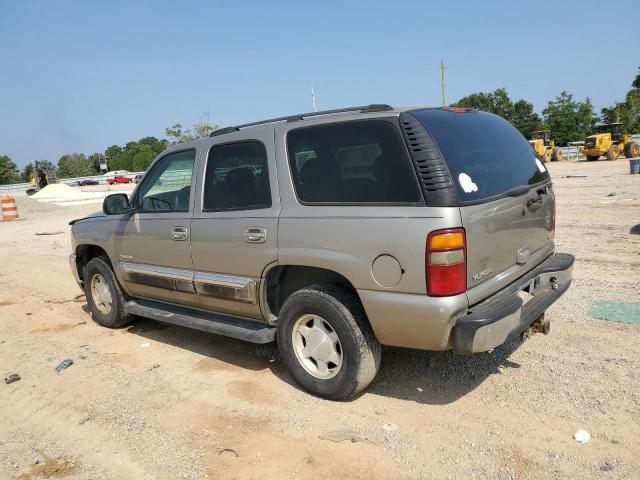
column 112, row 152
column 142, row 158
column 8, row 170
column 479, row 101
column 497, row 102
column 569, row 120
column 178, row 135
column 524, row 118
column 636, row 81
column 631, row 117
column 75, row 165
column 627, row 112
column 202, row 128
column 519, row 113
column 95, row 159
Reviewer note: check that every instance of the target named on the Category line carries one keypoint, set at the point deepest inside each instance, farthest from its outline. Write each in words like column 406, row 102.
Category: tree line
column 134, row 156
column 566, row 118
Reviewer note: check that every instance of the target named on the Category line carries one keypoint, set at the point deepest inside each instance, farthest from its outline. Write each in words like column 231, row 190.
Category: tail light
column 446, row 262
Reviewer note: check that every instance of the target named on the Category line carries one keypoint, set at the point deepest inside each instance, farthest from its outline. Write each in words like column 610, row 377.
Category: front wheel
column 326, row 342
column 104, row 296
column 613, row 153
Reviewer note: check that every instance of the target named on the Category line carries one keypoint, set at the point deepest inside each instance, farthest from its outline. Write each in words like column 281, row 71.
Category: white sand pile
column 57, row 191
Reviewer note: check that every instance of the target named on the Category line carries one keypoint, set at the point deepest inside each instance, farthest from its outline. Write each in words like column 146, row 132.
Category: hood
column 97, row 214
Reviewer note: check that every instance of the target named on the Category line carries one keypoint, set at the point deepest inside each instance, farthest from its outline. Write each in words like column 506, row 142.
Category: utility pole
column 313, row 99
column 442, row 67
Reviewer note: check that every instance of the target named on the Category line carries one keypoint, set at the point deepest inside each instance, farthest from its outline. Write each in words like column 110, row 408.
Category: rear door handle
column 179, row 233
column 255, row 235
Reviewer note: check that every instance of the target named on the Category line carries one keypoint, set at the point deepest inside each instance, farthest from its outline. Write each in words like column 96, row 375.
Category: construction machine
column 40, row 177
column 610, row 140
column 544, row 147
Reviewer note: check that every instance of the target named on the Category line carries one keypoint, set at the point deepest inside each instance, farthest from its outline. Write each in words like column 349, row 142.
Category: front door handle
column 256, row 235
column 179, row 233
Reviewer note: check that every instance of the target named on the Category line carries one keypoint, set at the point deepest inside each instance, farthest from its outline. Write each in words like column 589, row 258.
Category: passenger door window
column 237, row 178
column 167, row 186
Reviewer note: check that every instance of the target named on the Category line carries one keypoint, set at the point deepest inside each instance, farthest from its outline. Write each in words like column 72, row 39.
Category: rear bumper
column 504, row 315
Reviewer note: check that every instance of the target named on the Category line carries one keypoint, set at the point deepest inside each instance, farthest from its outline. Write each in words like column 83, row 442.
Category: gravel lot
column 192, row 405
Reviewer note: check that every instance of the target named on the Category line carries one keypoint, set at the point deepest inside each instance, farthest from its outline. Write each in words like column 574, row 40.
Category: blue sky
column 83, row 75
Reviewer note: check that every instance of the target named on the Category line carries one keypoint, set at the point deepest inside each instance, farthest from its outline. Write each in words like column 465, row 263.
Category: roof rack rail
column 375, row 107
column 222, row 131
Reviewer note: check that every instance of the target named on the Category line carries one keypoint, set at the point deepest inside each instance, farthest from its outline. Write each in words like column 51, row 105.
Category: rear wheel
column 326, row 342
column 104, row 296
column 613, row 153
column 546, row 158
column 632, row 149
column 557, row 155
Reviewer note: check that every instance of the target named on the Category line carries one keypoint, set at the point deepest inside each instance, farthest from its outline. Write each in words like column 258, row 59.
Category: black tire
column 557, row 155
column 631, row 150
column 116, row 317
column 613, row 153
column 360, row 349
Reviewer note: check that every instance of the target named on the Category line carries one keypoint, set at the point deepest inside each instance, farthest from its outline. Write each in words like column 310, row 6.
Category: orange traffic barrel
column 9, row 208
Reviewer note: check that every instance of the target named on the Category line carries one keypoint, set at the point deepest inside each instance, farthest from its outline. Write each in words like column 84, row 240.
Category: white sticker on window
column 467, row 183
column 540, row 165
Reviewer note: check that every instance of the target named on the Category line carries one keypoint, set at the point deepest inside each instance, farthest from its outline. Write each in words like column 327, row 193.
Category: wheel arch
column 280, row 281
column 86, row 252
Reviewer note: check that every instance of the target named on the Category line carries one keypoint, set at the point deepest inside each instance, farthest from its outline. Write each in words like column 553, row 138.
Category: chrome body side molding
column 159, row 277
column 228, row 287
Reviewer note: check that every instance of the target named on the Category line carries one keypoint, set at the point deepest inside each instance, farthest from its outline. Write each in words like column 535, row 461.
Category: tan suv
column 333, row 233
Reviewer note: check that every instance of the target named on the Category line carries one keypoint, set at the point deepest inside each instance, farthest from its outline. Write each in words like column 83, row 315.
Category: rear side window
column 353, row 162
column 485, row 154
column 237, row 177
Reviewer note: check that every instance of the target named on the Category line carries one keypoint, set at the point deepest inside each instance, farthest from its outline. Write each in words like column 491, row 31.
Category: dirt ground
column 192, row 405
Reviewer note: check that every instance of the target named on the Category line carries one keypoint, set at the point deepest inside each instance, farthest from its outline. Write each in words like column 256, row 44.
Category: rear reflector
column 445, row 259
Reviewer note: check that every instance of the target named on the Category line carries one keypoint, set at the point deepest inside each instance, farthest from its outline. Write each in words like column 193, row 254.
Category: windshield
column 486, row 156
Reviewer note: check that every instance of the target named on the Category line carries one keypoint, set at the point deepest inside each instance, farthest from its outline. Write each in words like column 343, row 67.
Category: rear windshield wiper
column 517, row 191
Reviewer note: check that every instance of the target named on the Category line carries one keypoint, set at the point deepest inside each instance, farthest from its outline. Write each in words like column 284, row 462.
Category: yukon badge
column 480, row 275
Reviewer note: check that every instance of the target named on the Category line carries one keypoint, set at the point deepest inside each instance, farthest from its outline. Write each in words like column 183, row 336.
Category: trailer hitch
column 539, row 326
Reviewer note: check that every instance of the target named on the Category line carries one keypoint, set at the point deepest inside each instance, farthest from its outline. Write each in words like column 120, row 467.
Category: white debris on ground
column 56, row 190
column 582, row 436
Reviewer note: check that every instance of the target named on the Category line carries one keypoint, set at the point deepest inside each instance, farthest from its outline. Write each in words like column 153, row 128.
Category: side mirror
column 116, row 204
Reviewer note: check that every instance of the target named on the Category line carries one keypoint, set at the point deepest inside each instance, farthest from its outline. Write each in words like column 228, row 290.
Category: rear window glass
column 485, row 154
column 352, row 162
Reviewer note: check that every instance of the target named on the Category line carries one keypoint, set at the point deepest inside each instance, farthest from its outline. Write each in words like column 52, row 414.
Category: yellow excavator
column 544, row 147
column 610, row 140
